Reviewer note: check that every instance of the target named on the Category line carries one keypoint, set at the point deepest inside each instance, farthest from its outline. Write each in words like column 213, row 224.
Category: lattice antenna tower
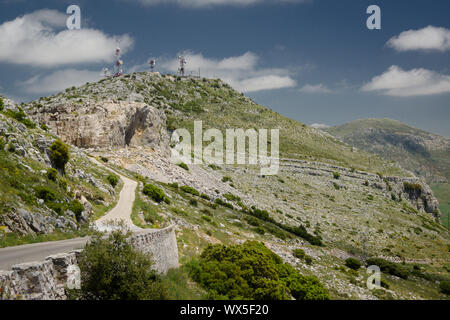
column 118, row 64
column 182, row 61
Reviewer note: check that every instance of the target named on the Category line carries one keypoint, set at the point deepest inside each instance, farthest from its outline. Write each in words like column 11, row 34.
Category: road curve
column 39, row 251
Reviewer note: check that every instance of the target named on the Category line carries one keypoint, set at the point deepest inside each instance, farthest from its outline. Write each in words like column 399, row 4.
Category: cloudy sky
column 312, row 60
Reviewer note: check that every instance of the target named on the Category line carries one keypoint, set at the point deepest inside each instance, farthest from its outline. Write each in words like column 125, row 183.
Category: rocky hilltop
column 329, row 199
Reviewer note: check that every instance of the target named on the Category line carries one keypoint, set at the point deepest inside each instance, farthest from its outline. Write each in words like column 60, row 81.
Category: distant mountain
column 425, row 154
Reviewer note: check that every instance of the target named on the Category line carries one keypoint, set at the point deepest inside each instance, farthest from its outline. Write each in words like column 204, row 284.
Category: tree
column 113, row 180
column 2, row 104
column 59, row 155
column 112, row 269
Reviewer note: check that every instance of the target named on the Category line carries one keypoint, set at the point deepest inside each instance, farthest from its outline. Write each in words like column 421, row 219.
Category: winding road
column 39, row 251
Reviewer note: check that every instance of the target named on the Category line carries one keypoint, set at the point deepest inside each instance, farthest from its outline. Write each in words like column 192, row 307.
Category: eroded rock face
column 108, row 124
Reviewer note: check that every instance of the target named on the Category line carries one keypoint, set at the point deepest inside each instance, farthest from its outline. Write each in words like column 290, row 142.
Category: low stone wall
column 46, row 280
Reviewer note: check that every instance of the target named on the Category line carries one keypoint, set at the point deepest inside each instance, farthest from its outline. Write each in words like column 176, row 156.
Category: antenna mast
column 152, row 63
column 118, row 65
column 182, row 61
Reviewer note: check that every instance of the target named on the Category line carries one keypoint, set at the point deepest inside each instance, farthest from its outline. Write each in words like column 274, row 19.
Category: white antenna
column 182, row 61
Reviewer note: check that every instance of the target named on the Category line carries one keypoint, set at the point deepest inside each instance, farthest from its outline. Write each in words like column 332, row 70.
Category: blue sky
column 314, row 60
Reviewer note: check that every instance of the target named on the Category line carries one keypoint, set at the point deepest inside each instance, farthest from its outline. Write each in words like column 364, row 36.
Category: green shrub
column 173, row 185
column 59, row 154
column 193, row 202
column 104, row 159
column 184, row 166
column 205, row 196
column 353, row 263
column 222, row 203
column 154, row 193
column 226, row 179
column 299, row 253
column 190, row 190
column 113, row 180
column 52, row 174
column 112, row 269
column 231, row 197
column 214, row 167
column 444, row 286
column 392, row 268
column 260, row 230
column 336, row 175
column 2, row 104
column 46, row 194
column 253, row 221
column 77, row 208
column 251, row 272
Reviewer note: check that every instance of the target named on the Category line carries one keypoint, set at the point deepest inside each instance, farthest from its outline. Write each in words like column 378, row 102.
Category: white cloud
column 318, row 88
column 416, row 82
column 429, row 38
column 210, row 3
column 320, row 126
column 241, row 72
column 42, row 39
column 58, row 81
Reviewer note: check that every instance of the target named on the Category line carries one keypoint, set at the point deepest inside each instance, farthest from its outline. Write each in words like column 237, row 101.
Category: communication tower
column 118, row 65
column 182, row 61
column 152, row 63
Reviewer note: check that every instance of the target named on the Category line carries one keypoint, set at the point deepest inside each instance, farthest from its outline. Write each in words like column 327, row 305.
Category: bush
column 154, row 192
column 336, row 175
column 222, row 203
column 59, row 154
column 77, row 208
column 193, row 202
column 251, row 272
column 46, row 194
column 226, row 179
column 205, row 196
column 184, row 166
column 394, row 269
column 2, row 104
column 353, row 263
column 113, row 180
column 52, row 174
column 444, row 286
column 231, row 197
column 112, row 269
column 190, row 190
column 104, row 159
column 299, row 253
column 253, row 221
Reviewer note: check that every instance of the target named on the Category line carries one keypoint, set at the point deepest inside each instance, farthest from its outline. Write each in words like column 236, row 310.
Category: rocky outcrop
column 107, row 124
column 390, row 186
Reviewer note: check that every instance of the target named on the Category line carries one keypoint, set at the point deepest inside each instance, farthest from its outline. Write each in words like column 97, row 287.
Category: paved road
column 39, row 251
